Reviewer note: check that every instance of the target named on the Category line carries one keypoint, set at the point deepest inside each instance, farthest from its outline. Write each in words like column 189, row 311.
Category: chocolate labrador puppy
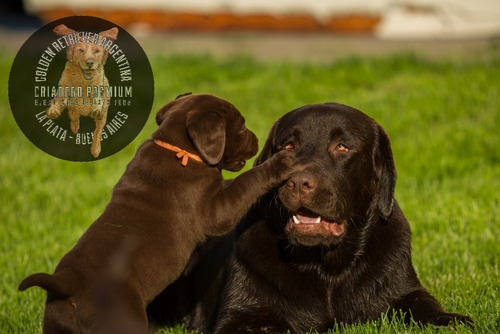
column 169, row 199
column 330, row 245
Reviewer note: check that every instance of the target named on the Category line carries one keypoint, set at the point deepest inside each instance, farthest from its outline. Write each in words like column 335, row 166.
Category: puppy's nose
column 302, row 183
column 89, row 63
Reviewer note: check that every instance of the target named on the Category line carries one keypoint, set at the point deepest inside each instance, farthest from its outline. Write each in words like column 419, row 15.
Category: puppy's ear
column 62, row 30
column 182, row 95
column 59, row 284
column 386, row 171
column 207, row 131
column 268, row 149
column 160, row 115
column 110, row 34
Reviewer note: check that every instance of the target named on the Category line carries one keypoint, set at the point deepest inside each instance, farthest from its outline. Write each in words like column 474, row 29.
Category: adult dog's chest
column 320, row 303
column 94, row 95
column 307, row 293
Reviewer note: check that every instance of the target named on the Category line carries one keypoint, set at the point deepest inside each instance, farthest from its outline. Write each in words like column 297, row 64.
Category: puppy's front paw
column 282, row 164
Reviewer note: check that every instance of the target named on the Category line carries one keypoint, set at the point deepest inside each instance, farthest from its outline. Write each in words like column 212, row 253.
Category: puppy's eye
column 81, row 50
column 289, row 146
column 341, row 148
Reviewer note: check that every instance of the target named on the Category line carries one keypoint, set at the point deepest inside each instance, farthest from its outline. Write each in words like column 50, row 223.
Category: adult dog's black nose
column 89, row 63
column 302, row 183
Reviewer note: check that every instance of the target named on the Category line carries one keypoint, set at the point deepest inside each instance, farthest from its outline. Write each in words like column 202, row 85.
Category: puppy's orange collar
column 181, row 154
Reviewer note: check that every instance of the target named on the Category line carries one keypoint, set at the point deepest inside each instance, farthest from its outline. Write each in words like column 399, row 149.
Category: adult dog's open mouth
column 307, row 223
column 89, row 74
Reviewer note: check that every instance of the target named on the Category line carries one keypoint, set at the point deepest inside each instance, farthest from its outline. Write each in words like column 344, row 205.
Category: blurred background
column 340, row 27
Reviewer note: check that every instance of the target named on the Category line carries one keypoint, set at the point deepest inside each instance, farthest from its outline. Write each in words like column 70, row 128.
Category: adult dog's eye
column 289, row 146
column 341, row 148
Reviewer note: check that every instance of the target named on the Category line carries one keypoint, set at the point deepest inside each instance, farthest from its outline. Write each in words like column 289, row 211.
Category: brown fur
column 164, row 210
column 85, row 69
column 329, row 246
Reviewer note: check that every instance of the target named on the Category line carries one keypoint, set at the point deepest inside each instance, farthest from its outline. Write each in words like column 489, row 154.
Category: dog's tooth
column 295, row 219
column 318, row 220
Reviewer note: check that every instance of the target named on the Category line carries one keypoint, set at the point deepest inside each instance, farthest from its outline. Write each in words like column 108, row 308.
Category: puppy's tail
column 57, row 284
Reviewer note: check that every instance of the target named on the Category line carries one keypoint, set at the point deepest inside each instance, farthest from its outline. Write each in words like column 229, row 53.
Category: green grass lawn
column 442, row 116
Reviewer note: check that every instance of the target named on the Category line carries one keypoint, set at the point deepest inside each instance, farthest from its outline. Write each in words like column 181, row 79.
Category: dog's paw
column 95, row 150
column 97, row 112
column 53, row 112
column 446, row 319
column 282, row 164
column 75, row 126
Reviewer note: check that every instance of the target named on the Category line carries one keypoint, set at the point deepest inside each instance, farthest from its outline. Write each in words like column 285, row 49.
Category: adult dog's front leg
column 74, row 117
column 95, row 150
column 424, row 308
column 256, row 322
column 55, row 109
column 229, row 206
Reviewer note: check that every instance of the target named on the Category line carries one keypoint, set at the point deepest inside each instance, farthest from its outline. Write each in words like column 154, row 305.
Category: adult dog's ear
column 62, row 30
column 268, row 149
column 110, row 34
column 386, row 172
column 207, row 131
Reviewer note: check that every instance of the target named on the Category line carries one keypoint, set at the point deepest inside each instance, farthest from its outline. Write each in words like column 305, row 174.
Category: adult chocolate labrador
column 330, row 245
column 169, row 199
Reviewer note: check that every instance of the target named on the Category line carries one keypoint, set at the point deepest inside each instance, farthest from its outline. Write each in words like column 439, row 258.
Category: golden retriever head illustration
column 87, row 51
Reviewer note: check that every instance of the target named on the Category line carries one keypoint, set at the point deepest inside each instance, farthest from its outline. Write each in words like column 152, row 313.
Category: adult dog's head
column 86, row 51
column 344, row 175
column 212, row 126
